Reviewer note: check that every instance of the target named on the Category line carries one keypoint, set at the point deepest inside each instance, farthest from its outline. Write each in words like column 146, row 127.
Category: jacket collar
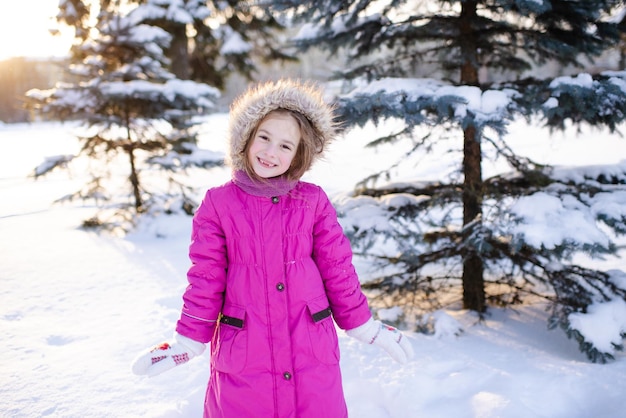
column 275, row 186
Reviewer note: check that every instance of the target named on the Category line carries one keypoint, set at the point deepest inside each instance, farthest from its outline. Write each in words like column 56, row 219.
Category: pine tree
column 479, row 49
column 132, row 106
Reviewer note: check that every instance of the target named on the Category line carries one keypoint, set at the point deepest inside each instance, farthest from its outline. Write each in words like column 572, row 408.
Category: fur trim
column 253, row 105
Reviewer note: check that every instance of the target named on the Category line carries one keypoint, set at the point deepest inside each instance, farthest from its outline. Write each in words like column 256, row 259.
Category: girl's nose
column 271, row 149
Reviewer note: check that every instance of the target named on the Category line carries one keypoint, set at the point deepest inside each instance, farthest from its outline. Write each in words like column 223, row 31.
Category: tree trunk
column 134, row 180
column 134, row 175
column 473, row 281
column 622, row 53
column 178, row 52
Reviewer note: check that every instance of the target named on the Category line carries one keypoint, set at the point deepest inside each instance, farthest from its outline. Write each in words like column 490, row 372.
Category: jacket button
column 287, row 376
column 275, row 199
column 280, row 287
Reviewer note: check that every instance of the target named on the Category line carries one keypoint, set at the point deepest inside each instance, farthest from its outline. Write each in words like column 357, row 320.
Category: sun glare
column 24, row 28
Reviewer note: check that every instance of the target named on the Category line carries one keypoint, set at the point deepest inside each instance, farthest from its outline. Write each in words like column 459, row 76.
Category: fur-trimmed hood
column 253, row 105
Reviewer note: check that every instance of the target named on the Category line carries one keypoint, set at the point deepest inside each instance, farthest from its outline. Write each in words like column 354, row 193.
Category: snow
column 170, row 90
column 582, row 80
column 612, row 316
column 549, row 222
column 77, row 307
column 171, row 10
column 234, row 43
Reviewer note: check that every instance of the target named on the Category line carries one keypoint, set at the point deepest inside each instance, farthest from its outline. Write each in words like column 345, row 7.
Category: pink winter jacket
column 268, row 277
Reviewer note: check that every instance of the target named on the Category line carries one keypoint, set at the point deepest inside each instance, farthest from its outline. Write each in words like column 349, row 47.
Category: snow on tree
column 468, row 232
column 132, row 106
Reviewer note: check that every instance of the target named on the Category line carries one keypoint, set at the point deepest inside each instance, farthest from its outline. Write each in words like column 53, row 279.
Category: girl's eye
column 287, row 147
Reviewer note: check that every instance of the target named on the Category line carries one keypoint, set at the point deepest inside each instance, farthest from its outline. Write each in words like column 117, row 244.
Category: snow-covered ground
column 76, row 308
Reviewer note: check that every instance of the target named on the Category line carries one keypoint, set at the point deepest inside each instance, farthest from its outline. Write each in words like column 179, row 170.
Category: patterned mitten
column 386, row 337
column 167, row 355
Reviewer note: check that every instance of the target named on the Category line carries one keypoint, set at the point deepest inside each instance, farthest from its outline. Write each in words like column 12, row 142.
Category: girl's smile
column 274, row 145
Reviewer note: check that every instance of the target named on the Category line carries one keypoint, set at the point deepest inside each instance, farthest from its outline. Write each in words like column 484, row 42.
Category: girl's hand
column 167, row 355
column 386, row 337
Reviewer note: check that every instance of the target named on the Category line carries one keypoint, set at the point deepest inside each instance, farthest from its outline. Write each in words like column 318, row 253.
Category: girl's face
column 274, row 145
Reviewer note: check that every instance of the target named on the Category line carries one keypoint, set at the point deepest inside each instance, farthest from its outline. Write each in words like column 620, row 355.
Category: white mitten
column 167, row 355
column 386, row 337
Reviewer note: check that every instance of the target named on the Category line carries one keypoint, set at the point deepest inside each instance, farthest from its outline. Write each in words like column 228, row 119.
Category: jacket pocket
column 229, row 348
column 322, row 331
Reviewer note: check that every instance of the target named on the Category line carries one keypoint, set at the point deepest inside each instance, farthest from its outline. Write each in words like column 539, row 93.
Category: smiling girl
column 271, row 269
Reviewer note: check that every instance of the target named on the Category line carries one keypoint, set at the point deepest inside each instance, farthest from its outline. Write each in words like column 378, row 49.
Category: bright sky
column 24, row 29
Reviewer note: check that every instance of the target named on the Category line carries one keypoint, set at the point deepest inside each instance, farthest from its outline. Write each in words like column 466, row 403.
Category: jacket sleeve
column 203, row 298
column 333, row 255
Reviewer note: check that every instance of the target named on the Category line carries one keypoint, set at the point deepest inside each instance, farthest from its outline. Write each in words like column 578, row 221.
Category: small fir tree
column 132, row 106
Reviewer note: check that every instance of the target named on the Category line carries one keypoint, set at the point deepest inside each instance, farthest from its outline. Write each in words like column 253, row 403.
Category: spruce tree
column 131, row 106
column 464, row 234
